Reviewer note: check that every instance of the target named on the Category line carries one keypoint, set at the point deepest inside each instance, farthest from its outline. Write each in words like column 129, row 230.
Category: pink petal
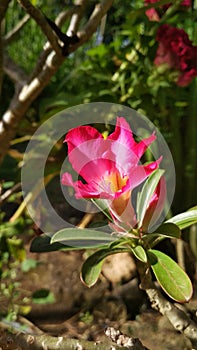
column 126, row 150
column 123, row 134
column 90, row 190
column 142, row 146
column 141, row 172
column 90, row 152
column 77, row 136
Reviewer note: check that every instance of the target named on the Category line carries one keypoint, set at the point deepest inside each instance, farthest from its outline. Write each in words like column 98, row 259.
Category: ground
column 81, row 312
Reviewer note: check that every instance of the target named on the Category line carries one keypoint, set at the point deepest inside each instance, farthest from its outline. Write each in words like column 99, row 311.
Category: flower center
column 115, row 181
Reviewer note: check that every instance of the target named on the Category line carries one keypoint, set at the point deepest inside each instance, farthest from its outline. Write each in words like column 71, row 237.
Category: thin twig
column 13, row 34
column 65, row 15
column 9, row 192
column 85, row 34
column 15, row 73
column 76, row 17
column 60, row 20
column 87, row 218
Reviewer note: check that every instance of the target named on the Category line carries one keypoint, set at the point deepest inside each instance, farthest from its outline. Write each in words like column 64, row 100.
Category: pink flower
column 154, row 14
column 110, row 167
column 176, row 50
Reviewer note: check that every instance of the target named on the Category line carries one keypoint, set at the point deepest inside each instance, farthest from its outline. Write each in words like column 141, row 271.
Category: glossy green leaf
column 42, row 244
column 146, row 193
column 184, row 220
column 91, row 268
column 170, row 276
column 169, row 230
column 166, row 230
column 82, row 238
column 139, row 253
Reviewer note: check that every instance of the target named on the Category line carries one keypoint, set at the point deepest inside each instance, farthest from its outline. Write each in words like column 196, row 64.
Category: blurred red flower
column 177, row 51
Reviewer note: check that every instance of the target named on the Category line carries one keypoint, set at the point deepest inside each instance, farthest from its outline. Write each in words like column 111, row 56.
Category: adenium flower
column 177, row 51
column 154, row 14
column 110, row 168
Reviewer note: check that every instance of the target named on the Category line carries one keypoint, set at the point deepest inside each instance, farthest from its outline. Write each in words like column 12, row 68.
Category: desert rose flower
column 110, row 167
column 155, row 14
column 177, row 51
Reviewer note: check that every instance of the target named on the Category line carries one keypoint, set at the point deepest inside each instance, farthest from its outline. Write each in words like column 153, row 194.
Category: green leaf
column 16, row 248
column 91, row 268
column 166, row 230
column 146, row 193
column 170, row 276
column 28, row 264
column 43, row 296
column 41, row 244
column 185, row 220
column 139, row 253
column 82, row 238
column 169, row 230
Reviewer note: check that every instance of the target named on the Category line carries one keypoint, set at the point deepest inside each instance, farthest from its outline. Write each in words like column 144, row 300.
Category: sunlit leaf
column 139, row 253
column 185, row 220
column 82, row 238
column 43, row 244
column 170, row 276
column 91, row 268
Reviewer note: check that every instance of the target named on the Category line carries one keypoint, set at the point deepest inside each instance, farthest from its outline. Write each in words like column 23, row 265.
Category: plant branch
column 9, row 193
column 60, row 20
column 177, row 317
column 13, row 34
column 76, row 17
column 48, row 65
column 64, row 15
column 43, row 24
column 15, row 73
column 122, row 339
column 23, row 341
column 85, row 34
